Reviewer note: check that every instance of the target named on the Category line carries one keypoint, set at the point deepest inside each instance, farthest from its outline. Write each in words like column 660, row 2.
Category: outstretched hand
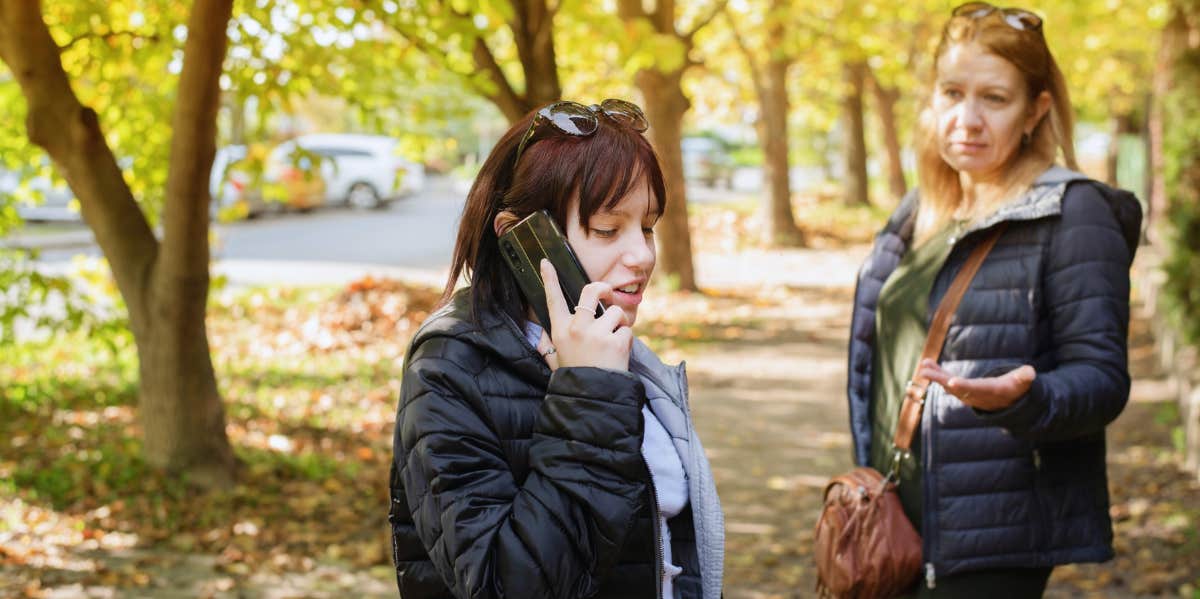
column 984, row 393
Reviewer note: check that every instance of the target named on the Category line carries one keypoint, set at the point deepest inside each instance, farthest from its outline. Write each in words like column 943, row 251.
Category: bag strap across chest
column 914, row 394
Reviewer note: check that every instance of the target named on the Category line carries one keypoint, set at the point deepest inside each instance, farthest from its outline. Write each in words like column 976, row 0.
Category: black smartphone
column 523, row 248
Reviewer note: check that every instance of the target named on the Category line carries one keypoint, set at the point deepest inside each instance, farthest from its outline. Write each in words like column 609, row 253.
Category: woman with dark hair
column 531, row 465
column 1006, row 475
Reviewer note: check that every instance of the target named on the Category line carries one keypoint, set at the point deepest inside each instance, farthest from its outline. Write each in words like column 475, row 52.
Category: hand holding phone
column 525, row 245
column 581, row 339
column 554, row 284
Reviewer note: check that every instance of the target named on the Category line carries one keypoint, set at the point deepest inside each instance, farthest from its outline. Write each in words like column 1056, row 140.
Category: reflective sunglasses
column 1017, row 18
column 573, row 118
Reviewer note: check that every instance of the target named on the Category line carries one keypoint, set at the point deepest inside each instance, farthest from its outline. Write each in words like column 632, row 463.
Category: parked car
column 363, row 171
column 248, row 181
column 229, row 183
column 707, row 160
column 56, row 202
column 295, row 176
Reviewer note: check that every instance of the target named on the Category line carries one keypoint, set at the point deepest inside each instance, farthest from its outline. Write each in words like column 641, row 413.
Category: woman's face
column 982, row 108
column 617, row 246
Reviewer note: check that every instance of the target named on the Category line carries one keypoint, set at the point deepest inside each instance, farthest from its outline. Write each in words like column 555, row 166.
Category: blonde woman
column 1007, row 475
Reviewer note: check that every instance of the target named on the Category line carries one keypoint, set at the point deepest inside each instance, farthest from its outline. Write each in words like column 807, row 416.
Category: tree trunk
column 854, row 145
column 1174, row 38
column 665, row 107
column 1119, row 126
column 532, row 28
column 180, row 407
column 164, row 285
column 781, row 229
column 534, row 31
column 885, row 104
column 1113, row 152
column 1182, row 40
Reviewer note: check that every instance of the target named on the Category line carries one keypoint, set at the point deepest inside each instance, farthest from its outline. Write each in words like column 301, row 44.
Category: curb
column 53, row 241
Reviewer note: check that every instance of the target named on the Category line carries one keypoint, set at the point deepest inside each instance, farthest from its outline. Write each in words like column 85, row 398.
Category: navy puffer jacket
column 1024, row 486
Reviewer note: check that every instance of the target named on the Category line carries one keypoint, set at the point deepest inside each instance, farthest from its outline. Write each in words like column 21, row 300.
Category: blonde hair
column 941, row 188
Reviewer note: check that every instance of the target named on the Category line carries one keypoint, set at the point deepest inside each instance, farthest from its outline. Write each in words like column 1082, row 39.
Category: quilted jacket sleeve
column 1086, row 292
column 551, row 535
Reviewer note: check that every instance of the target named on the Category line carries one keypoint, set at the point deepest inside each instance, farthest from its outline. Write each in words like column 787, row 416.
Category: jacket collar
column 646, row 364
column 1042, row 199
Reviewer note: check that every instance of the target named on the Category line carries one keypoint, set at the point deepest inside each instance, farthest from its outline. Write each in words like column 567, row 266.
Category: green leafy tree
column 504, row 50
column 657, row 49
column 769, row 56
column 87, row 72
column 1181, row 150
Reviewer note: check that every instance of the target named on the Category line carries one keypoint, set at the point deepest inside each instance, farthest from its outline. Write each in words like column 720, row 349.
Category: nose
column 638, row 253
column 969, row 115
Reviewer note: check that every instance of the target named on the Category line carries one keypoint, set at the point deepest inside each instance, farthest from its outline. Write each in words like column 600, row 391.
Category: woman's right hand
column 581, row 339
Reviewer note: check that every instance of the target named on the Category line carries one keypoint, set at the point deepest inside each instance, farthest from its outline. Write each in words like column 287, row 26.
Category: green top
column 900, row 331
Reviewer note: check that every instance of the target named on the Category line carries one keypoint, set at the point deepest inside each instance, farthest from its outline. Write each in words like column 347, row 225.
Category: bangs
column 601, row 168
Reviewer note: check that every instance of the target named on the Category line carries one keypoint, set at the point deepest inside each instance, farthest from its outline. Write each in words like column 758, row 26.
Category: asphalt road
column 413, row 237
column 415, row 231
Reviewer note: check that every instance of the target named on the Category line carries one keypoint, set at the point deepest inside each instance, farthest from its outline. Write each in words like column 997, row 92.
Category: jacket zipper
column 1039, row 517
column 927, row 482
column 657, row 526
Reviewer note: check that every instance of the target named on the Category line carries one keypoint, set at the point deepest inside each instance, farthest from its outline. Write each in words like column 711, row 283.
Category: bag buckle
column 893, row 475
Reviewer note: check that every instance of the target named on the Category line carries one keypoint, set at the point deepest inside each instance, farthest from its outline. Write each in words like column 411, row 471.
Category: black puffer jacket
column 508, row 481
column 1025, row 486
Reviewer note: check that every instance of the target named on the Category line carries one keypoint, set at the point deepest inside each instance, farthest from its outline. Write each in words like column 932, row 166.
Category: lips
column 969, row 146
column 629, row 294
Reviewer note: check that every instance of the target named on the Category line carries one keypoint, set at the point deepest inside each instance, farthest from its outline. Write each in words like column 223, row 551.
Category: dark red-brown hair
column 601, row 168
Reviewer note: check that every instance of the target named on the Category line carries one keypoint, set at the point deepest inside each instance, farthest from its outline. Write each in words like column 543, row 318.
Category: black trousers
column 1005, row 583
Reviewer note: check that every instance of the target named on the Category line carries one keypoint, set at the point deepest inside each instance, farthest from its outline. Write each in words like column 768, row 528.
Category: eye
column 604, row 232
column 996, row 98
column 951, row 93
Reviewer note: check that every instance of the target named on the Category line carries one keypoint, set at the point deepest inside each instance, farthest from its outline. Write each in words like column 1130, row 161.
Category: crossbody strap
column 914, row 394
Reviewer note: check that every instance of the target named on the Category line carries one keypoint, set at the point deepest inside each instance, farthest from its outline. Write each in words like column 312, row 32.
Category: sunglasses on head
column 573, row 118
column 1017, row 18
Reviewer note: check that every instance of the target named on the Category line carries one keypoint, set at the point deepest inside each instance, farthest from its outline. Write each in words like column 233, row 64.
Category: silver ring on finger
column 589, row 311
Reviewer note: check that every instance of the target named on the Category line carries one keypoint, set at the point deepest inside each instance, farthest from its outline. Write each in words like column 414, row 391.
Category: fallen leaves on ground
column 311, row 378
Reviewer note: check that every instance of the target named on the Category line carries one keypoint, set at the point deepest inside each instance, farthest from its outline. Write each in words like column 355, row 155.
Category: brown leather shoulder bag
column 865, row 547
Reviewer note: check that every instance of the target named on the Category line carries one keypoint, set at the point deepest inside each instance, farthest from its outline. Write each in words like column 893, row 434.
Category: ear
column 504, row 221
column 1039, row 108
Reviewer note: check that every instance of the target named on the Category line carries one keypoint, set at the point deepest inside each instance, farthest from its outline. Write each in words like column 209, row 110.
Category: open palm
column 985, row 393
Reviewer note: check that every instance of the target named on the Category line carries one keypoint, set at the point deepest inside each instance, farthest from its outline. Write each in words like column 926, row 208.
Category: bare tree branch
column 755, row 68
column 509, row 102
column 717, row 9
column 108, row 36
column 504, row 96
column 70, row 133
column 631, row 9
column 185, row 214
column 663, row 17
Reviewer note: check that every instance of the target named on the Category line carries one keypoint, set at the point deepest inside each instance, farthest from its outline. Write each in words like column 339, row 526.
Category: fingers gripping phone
column 523, row 247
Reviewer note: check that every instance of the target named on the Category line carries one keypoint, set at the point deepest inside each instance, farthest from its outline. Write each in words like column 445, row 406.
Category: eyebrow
column 619, row 212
